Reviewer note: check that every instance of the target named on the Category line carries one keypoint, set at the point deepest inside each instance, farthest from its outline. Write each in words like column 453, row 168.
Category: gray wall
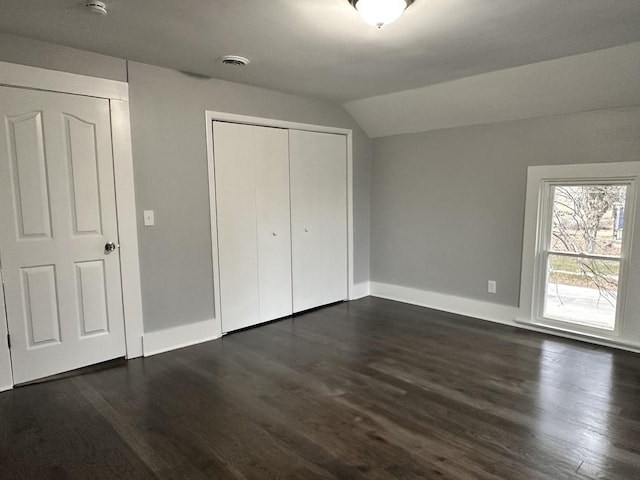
column 169, row 154
column 26, row 51
column 170, row 162
column 448, row 205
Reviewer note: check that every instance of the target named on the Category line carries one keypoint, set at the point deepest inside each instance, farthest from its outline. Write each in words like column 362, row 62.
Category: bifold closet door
column 253, row 219
column 318, row 218
column 273, row 221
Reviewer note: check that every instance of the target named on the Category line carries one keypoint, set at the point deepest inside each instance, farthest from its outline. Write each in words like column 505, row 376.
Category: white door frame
column 6, row 374
column 33, row 78
column 210, row 117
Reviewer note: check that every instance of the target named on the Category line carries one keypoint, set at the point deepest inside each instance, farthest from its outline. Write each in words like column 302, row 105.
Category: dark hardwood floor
column 371, row 389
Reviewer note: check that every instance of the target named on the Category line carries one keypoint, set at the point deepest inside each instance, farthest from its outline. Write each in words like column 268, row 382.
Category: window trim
column 537, row 223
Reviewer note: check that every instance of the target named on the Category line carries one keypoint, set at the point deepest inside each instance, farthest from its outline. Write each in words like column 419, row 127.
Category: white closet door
column 271, row 157
column 254, row 237
column 318, row 218
column 57, row 212
column 236, row 212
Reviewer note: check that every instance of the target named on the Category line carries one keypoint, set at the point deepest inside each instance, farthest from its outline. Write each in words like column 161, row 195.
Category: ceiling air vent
column 94, row 6
column 235, row 60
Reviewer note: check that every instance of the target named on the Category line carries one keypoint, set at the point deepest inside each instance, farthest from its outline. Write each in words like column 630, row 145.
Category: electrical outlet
column 492, row 286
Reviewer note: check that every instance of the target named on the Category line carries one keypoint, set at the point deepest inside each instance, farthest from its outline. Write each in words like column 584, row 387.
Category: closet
column 281, row 209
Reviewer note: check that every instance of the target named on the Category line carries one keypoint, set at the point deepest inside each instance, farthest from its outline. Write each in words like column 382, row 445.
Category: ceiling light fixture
column 380, row 12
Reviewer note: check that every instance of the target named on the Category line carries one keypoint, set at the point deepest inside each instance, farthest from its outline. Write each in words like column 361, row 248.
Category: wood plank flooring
column 371, row 389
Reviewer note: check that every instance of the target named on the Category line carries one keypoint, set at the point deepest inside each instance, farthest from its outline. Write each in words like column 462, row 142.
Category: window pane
column 588, row 219
column 582, row 291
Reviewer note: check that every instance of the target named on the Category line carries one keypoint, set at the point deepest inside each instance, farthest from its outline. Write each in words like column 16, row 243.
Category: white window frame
column 544, row 250
column 538, row 218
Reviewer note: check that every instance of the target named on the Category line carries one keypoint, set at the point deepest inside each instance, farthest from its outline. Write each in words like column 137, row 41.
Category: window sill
column 613, row 342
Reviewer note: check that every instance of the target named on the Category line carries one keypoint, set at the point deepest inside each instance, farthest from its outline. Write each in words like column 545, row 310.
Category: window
column 581, row 254
column 578, row 237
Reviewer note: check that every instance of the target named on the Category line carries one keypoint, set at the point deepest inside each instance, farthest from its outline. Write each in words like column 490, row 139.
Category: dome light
column 380, row 12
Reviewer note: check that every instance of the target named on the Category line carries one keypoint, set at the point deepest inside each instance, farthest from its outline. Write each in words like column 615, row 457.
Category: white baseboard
column 359, row 290
column 492, row 312
column 180, row 337
column 448, row 303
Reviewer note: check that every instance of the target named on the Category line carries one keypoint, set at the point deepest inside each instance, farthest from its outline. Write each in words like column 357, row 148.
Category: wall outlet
column 149, row 218
column 492, row 286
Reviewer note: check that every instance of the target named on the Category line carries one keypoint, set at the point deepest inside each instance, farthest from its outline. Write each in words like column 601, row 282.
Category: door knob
column 110, row 247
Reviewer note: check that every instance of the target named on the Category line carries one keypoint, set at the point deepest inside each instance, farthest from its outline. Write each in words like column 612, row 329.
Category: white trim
column 34, row 78
column 127, row 227
column 14, row 75
column 360, row 290
column 179, row 337
column 626, row 345
column 211, row 116
column 351, row 295
column 271, row 122
column 213, row 209
column 477, row 309
column 6, row 375
column 350, row 230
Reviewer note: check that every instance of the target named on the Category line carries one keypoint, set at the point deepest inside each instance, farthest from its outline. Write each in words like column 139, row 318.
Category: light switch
column 149, row 219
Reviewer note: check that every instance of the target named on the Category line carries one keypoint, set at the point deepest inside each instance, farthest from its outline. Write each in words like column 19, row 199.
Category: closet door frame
column 210, row 117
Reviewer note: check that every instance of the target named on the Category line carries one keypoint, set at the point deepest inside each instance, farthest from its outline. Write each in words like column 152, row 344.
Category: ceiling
column 322, row 48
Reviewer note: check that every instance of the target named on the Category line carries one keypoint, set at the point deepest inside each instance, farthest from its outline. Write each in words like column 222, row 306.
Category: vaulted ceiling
column 322, row 48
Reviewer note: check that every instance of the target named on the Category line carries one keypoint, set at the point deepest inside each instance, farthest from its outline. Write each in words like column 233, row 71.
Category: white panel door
column 57, row 211
column 318, row 218
column 237, row 217
column 271, row 157
column 254, row 238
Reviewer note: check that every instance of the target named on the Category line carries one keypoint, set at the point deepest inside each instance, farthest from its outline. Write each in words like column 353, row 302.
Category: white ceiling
column 321, row 47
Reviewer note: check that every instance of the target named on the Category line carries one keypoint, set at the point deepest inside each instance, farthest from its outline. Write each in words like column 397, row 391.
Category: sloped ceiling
column 321, row 48
column 590, row 81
